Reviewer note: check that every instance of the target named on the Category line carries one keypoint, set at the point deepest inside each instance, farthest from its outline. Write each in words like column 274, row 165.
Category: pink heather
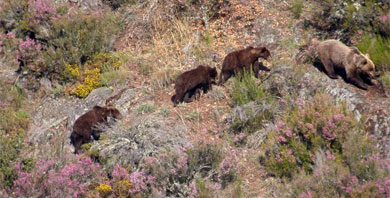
column 330, row 156
column 338, row 117
column 307, row 194
column 42, row 9
column 280, row 125
column 288, row 133
column 120, row 173
column 11, row 35
column 328, row 134
column 282, row 139
column 385, row 19
column 194, row 190
column 139, row 182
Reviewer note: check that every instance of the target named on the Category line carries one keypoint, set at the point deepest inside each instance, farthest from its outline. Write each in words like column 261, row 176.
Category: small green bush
column 296, row 8
column 13, row 125
column 245, row 89
column 145, row 108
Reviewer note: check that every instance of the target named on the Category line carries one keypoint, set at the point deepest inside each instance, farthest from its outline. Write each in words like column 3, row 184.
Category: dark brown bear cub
column 236, row 61
column 189, row 81
column 84, row 126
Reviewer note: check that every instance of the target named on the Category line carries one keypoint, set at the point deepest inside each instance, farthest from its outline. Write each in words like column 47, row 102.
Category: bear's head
column 108, row 111
column 261, row 52
column 364, row 63
column 213, row 72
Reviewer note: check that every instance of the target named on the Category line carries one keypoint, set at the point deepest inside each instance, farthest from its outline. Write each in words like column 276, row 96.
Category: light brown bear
column 334, row 55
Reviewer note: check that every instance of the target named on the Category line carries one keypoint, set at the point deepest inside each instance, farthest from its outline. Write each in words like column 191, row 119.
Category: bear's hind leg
column 329, row 68
column 77, row 145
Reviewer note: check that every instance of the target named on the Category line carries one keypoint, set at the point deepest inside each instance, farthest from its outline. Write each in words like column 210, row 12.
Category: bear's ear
column 367, row 55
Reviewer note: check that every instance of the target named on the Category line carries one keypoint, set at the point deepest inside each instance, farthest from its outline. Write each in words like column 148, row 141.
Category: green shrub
column 296, row 8
column 145, row 108
column 378, row 48
column 245, row 89
column 13, row 125
column 385, row 78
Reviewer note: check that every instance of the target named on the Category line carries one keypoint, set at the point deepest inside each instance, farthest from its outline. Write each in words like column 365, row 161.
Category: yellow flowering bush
column 121, row 188
column 91, row 77
column 104, row 190
column 74, row 70
column 91, row 82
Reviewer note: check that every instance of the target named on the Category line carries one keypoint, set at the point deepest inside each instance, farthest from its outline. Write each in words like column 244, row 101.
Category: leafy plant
column 245, row 89
column 296, row 8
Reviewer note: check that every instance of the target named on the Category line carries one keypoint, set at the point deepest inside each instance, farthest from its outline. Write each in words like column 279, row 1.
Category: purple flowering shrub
column 176, row 172
column 47, row 35
column 69, row 176
column 305, row 129
column 319, row 150
column 333, row 178
column 383, row 24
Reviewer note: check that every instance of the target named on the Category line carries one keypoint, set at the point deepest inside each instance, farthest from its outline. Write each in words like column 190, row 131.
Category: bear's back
column 334, row 50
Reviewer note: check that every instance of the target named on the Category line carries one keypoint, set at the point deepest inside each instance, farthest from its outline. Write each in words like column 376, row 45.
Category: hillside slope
column 212, row 135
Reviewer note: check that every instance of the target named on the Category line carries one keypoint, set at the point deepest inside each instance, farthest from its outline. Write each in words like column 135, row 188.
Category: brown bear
column 190, row 81
column 245, row 58
column 335, row 56
column 85, row 126
column 191, row 95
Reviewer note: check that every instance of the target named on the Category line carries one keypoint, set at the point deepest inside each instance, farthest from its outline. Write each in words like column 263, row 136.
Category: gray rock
column 46, row 84
column 86, row 4
column 128, row 146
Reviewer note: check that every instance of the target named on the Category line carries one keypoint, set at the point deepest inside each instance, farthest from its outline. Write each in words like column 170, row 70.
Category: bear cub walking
column 236, row 61
column 189, row 82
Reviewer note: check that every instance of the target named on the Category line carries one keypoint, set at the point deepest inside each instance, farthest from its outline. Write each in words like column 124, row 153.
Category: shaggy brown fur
column 334, row 55
column 189, row 82
column 85, row 125
column 191, row 95
column 245, row 58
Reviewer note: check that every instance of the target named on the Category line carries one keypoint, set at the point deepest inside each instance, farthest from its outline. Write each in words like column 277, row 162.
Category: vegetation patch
column 58, row 41
column 321, row 151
